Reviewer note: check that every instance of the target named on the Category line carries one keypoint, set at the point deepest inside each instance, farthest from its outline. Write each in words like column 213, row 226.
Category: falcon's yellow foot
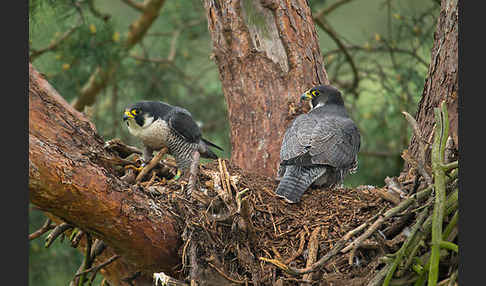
column 176, row 177
column 138, row 169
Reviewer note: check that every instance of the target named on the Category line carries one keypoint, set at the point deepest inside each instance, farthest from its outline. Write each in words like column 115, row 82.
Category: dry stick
column 441, row 134
column 376, row 281
column 76, row 238
column 193, row 172
column 221, row 272
column 78, row 280
column 224, row 178
column 401, row 252
column 58, row 230
column 313, row 247
column 45, row 227
column 299, row 251
column 390, row 213
column 451, row 205
column 227, row 179
column 166, row 280
column 335, row 250
column 193, row 273
column 155, row 160
column 99, row 266
column 422, row 147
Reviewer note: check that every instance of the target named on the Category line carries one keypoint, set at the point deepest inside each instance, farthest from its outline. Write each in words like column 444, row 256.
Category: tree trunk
column 70, row 178
column 442, row 80
column 267, row 53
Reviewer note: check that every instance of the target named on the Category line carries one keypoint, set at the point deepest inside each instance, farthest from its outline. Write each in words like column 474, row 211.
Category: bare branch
column 324, row 25
column 331, row 8
column 54, row 44
column 135, row 5
column 45, row 227
column 380, row 49
column 101, row 76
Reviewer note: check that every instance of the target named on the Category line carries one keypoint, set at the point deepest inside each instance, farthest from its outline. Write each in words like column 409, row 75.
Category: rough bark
column 69, row 178
column 442, row 79
column 267, row 54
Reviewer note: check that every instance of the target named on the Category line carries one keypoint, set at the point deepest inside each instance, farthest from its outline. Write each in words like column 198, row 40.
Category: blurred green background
column 389, row 43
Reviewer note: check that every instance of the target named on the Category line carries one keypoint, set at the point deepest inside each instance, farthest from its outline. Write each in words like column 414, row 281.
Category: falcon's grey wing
column 323, row 140
column 297, row 138
column 335, row 142
column 184, row 125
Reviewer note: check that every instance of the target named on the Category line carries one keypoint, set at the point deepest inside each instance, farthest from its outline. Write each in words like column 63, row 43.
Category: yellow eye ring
column 315, row 93
column 134, row 112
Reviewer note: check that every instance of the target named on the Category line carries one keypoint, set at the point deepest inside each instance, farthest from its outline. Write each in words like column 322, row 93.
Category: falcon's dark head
column 321, row 95
column 138, row 112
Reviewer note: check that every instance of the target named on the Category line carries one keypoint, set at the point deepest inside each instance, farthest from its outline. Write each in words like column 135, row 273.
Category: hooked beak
column 306, row 96
column 127, row 115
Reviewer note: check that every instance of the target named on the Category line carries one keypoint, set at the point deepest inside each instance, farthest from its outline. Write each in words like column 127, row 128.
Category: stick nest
column 232, row 224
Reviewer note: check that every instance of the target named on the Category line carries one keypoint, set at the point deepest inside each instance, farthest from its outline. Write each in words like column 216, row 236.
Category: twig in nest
column 155, row 160
column 98, row 247
column 166, row 280
column 238, row 199
column 87, row 262
column 390, row 213
column 221, row 272
column 58, row 230
column 387, row 196
column 194, row 272
column 313, row 247
column 225, row 181
column 299, row 251
column 193, row 172
column 45, row 227
column 422, row 147
column 121, row 148
column 335, row 250
column 76, row 237
column 400, row 254
column 96, row 268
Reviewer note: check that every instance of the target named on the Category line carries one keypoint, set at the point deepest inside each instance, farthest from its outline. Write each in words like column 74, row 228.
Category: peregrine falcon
column 159, row 124
column 320, row 147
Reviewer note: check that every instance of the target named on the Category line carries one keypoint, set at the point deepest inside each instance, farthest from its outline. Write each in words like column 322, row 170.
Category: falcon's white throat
column 318, row 105
column 137, row 130
column 152, row 133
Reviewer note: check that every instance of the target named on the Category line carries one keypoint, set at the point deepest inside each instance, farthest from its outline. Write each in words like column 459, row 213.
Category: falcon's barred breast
column 158, row 124
column 319, row 147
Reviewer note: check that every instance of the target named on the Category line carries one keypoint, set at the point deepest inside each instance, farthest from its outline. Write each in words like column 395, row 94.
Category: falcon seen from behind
column 320, row 147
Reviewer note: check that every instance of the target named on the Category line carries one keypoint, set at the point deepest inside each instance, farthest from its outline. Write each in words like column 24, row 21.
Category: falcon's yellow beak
column 306, row 96
column 127, row 115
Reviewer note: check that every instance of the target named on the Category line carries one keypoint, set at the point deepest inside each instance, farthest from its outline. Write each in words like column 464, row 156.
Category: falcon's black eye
column 315, row 93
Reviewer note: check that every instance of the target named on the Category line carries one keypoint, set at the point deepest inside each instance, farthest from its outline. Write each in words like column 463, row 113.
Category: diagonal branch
column 330, row 8
column 135, row 5
column 324, row 25
column 101, row 76
column 54, row 44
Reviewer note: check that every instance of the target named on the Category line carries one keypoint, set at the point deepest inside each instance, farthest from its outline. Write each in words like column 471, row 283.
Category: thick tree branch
column 69, row 178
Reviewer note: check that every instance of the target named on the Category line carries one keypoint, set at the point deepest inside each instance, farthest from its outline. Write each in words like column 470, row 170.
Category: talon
column 176, row 177
column 138, row 169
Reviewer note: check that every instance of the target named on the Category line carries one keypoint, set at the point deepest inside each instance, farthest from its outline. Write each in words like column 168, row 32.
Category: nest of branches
column 236, row 231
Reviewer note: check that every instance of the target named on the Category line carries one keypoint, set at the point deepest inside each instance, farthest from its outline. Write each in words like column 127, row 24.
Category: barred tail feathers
column 296, row 180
